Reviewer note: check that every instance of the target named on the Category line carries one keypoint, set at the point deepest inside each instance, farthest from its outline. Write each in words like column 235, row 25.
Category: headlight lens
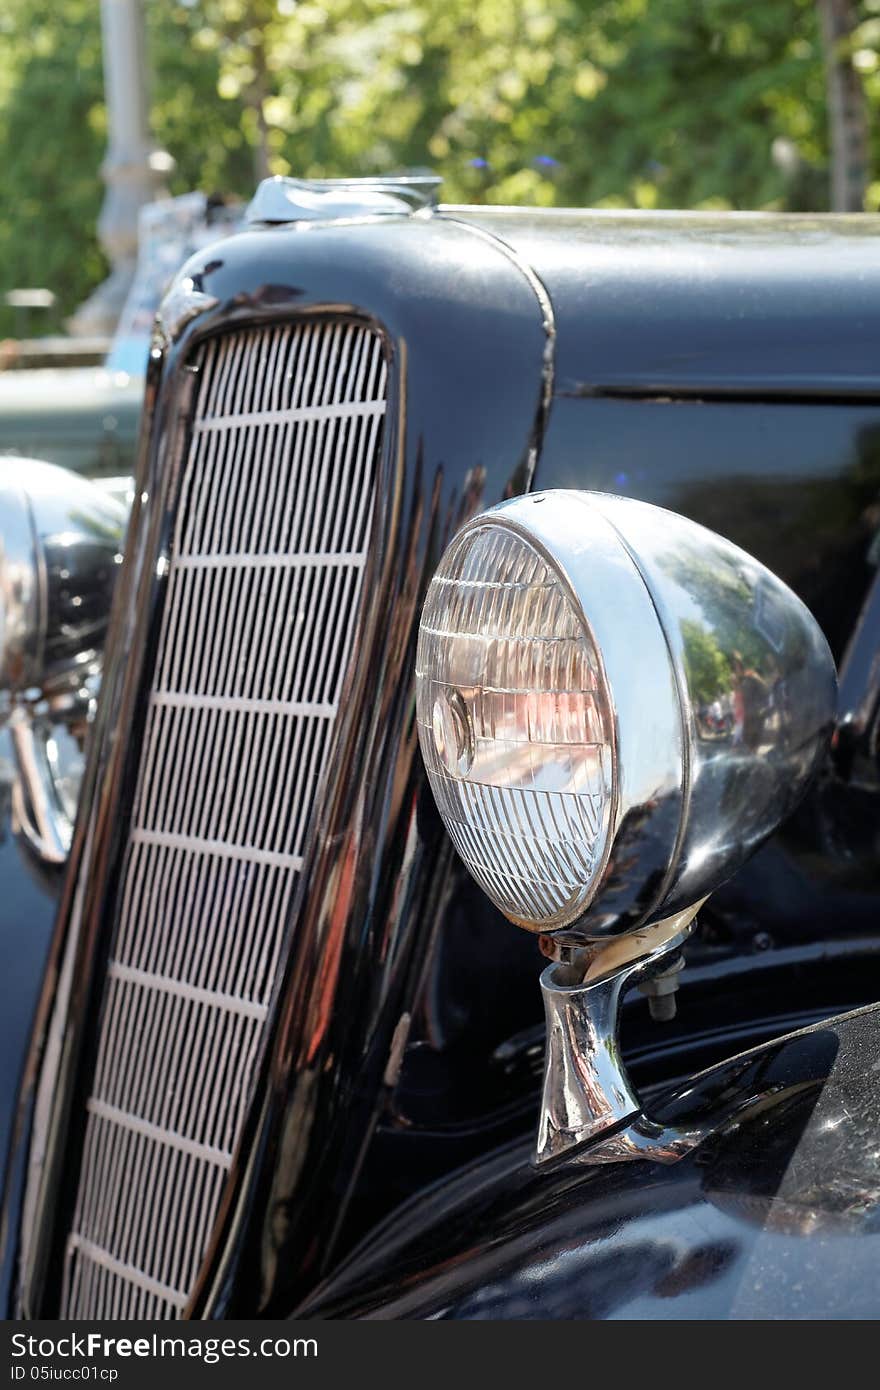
column 515, row 725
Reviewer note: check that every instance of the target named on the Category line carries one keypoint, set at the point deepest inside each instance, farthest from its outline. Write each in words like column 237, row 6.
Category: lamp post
column 133, row 170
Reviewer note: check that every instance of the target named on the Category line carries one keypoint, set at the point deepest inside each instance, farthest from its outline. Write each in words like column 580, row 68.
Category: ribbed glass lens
column 514, row 726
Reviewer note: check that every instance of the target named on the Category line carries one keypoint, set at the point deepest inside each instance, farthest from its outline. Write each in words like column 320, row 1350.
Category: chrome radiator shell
column 264, row 570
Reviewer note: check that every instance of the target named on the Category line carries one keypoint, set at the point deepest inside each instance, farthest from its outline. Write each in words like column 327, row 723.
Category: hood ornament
column 281, row 200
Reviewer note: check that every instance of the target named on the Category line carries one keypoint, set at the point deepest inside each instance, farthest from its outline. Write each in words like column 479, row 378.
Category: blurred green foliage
column 620, row 103
column 708, row 670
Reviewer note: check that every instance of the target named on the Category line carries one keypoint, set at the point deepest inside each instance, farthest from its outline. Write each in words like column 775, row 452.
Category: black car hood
column 703, row 304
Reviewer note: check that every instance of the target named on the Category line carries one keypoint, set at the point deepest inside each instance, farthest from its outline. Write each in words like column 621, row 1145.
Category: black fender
column 775, row 1214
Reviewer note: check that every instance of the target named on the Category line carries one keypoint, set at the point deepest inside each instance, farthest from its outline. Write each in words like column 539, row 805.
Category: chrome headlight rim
column 559, row 533
column 484, row 524
column 564, row 526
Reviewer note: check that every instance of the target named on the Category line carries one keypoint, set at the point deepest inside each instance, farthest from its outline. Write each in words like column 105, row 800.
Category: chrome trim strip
column 340, row 410
column 216, row 998
column 177, row 700
column 157, row 1132
column 129, row 1273
column 193, row 844
column 315, row 560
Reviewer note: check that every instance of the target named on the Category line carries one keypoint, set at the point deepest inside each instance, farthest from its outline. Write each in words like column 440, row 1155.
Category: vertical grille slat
column 264, row 582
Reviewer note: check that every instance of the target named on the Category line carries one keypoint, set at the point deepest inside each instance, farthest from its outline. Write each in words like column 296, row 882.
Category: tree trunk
column 847, row 110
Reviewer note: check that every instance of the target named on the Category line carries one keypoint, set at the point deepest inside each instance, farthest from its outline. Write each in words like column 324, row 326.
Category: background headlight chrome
column 61, row 543
column 60, row 550
column 615, row 707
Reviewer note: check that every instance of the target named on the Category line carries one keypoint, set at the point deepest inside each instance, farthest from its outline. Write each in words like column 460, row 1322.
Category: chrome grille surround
column 257, row 632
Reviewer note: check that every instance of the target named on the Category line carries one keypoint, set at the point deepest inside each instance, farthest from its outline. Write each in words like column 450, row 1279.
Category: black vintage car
column 287, row 1052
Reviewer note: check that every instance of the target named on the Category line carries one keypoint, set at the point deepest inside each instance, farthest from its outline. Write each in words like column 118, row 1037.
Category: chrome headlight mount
column 616, row 707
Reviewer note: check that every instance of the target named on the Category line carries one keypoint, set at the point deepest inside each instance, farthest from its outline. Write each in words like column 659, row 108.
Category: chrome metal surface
column 121, row 489
column 586, row 1088
column 280, row 199
column 48, row 772
column 756, row 682
column 184, row 302
column 265, row 573
column 722, row 687
column 61, row 548
column 645, row 1141
column 22, row 590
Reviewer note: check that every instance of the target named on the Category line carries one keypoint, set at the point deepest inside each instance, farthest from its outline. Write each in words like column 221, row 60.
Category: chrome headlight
column 615, row 707
column 60, row 550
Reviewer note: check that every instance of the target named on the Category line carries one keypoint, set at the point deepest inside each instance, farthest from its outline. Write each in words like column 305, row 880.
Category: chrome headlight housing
column 60, row 549
column 615, row 707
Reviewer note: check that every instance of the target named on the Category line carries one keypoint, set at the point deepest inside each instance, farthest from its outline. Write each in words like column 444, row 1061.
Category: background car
column 87, row 418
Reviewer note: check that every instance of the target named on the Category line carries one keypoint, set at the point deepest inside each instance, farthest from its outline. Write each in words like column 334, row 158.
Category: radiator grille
column 265, row 574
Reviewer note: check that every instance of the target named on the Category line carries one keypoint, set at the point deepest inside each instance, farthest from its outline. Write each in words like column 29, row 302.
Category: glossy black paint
column 674, row 332
column 496, row 349
column 28, row 904
column 80, row 575
column 775, row 1215
column 726, row 1004
column 857, row 739
column 702, row 305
